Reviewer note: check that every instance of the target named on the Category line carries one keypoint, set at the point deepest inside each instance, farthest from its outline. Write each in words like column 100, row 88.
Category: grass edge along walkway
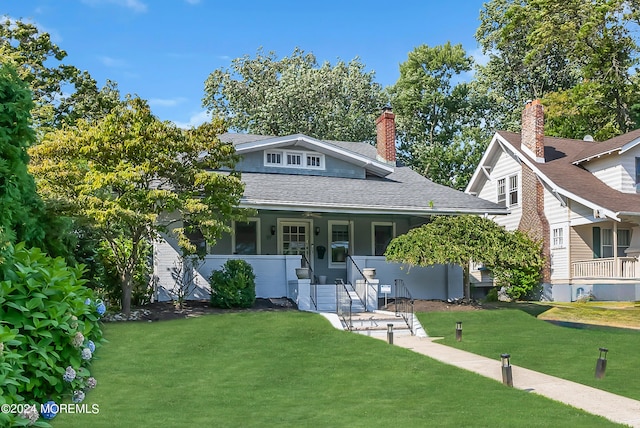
column 614, row 407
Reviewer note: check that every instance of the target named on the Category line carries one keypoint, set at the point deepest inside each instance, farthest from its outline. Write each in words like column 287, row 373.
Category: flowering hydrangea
column 78, row 396
column 101, row 308
column 74, row 321
column 31, row 413
column 69, row 374
column 91, row 346
column 77, row 340
column 87, row 301
column 91, row 382
column 86, row 354
column 51, row 410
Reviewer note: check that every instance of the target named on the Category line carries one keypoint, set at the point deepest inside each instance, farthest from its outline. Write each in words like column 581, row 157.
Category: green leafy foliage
column 234, row 285
column 61, row 92
column 440, row 123
column 578, row 54
column 20, row 206
column 514, row 259
column 46, row 324
column 130, row 175
column 271, row 96
column 109, row 286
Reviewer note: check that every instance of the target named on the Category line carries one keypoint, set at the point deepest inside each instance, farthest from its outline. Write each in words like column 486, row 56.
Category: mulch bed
column 162, row 311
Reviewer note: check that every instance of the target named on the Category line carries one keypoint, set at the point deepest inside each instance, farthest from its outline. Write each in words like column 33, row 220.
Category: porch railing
column 313, row 289
column 344, row 303
column 404, row 303
column 362, row 288
column 620, row 268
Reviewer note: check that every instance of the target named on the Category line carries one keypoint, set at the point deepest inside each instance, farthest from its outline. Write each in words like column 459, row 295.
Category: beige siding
column 581, row 242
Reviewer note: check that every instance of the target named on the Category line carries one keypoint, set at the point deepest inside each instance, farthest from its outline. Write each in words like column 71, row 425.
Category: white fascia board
column 630, row 145
column 361, row 209
column 483, row 163
column 379, row 168
column 558, row 189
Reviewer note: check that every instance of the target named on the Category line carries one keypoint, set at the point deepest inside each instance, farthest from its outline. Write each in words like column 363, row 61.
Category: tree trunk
column 466, row 284
column 127, row 286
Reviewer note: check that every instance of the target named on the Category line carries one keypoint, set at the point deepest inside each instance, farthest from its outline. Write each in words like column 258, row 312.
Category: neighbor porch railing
column 404, row 303
column 615, row 268
column 344, row 303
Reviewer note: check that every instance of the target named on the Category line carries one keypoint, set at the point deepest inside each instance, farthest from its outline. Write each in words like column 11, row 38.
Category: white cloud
column 108, row 61
column 195, row 120
column 479, row 57
column 55, row 36
column 135, row 5
column 166, row 102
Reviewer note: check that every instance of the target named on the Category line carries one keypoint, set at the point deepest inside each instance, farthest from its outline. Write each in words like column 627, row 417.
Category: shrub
column 492, row 295
column 234, row 286
column 111, row 285
column 49, row 329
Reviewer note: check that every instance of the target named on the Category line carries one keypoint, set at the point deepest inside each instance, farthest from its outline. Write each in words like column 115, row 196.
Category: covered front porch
column 603, row 262
column 276, row 277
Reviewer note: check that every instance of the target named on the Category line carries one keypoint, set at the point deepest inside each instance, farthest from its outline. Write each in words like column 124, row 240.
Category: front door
column 294, row 238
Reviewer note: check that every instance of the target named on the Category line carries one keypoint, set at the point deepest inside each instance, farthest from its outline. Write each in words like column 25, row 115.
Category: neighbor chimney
column 532, row 134
column 386, row 136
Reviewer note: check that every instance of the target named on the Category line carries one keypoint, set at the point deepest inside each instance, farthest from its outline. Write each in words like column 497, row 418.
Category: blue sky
column 163, row 50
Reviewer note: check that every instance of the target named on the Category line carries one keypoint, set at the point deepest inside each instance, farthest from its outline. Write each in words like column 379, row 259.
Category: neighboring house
column 579, row 197
column 333, row 205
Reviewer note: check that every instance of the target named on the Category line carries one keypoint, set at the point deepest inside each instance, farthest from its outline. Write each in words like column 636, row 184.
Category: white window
column 273, row 158
column 291, row 159
column 502, row 191
column 624, row 240
column 513, row 190
column 294, row 159
column 557, row 239
column 314, row 161
column 340, row 240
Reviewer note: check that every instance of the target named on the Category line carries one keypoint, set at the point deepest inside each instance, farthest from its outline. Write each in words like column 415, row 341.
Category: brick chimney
column 386, row 136
column 532, row 134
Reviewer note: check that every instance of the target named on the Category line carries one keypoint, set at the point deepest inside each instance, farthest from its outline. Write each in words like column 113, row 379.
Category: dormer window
column 273, row 158
column 294, row 159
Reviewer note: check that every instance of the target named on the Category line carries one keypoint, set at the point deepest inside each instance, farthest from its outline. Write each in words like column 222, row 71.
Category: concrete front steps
column 375, row 324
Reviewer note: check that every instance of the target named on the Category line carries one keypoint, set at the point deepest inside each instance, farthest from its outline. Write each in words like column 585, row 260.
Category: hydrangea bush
column 49, row 331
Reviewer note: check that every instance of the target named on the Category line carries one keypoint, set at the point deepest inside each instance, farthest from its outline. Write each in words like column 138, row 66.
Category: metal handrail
column 344, row 303
column 404, row 303
column 365, row 301
column 313, row 289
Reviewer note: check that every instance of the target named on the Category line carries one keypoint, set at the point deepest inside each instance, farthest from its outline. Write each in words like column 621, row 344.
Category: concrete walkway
column 611, row 406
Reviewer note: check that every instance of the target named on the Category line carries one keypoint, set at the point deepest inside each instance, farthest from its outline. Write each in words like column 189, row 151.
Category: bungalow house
column 332, row 207
column 579, row 197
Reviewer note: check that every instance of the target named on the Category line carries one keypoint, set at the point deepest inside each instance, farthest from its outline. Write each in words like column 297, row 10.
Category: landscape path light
column 459, row 331
column 507, row 376
column 390, row 334
column 601, row 364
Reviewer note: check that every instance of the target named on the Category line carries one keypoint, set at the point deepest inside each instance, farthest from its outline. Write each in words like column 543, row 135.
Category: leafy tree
column 61, row 92
column 578, row 55
column 271, row 96
column 20, row 206
column 124, row 173
column 440, row 132
column 514, row 259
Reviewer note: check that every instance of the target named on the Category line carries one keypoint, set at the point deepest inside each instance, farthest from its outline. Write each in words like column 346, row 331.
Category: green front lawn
column 291, row 369
column 568, row 353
